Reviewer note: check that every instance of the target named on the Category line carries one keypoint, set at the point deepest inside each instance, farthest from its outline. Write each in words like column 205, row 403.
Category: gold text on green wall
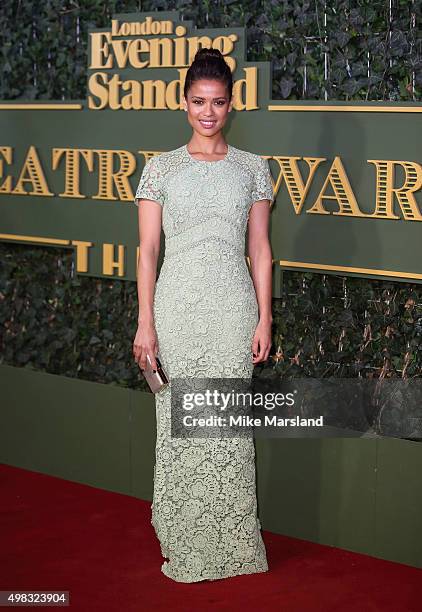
column 114, row 184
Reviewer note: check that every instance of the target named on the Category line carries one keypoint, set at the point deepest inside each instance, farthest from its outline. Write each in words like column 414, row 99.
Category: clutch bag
column 156, row 379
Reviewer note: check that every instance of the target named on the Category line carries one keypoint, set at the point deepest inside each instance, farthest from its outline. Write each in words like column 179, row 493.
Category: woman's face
column 207, row 106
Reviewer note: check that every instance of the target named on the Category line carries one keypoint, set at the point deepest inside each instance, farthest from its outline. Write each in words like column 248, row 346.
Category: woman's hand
column 145, row 343
column 261, row 343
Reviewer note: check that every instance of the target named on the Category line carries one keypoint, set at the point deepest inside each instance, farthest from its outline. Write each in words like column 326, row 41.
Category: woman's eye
column 219, row 103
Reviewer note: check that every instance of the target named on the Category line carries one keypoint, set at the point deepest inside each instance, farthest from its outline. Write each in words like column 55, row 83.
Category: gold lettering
column 72, row 169
column 180, row 46
column 32, row 166
column 140, row 45
column 97, row 89
column 7, row 153
column 108, row 90
column 114, row 92
column 144, row 28
column 114, row 27
column 154, row 95
column 107, row 177
column 385, row 189
column 294, row 182
column 343, row 193
column 109, row 263
column 100, row 51
column 121, row 52
column 173, row 100
column 161, row 53
column 245, row 91
column 133, row 99
column 81, row 254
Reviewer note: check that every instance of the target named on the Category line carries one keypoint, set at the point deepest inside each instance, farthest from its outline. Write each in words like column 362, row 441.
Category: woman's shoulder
column 165, row 162
column 167, row 159
column 247, row 156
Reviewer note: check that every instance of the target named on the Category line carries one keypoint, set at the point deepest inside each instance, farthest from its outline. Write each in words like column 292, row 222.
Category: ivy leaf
column 286, row 86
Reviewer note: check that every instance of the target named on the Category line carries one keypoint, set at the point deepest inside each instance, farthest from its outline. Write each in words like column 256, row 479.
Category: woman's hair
column 209, row 64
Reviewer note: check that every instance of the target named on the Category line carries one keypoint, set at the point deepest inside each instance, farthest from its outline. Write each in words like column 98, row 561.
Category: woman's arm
column 149, row 217
column 260, row 256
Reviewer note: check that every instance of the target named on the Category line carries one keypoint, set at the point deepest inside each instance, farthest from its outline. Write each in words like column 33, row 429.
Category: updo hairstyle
column 209, row 64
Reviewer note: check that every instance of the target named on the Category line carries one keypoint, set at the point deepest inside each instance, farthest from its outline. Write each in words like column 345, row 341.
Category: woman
column 205, row 317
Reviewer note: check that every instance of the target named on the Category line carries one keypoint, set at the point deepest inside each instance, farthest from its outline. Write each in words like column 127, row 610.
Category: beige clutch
column 156, row 379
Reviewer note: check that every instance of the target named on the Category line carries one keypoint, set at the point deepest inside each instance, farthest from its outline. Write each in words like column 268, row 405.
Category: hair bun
column 210, row 64
column 208, row 53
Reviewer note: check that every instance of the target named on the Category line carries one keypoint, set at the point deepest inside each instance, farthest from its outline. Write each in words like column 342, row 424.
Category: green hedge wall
column 83, row 327
column 324, row 325
column 344, row 50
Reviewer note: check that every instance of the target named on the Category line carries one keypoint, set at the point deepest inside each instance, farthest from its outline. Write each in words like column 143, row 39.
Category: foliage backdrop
column 324, row 325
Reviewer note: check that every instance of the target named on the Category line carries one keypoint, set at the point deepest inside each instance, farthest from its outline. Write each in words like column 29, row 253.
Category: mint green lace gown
column 204, row 507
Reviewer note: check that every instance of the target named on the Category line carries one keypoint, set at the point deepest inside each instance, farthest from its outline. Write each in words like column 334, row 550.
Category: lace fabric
column 204, row 508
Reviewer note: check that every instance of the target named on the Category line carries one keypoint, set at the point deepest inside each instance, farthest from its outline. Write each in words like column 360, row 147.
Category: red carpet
column 100, row 546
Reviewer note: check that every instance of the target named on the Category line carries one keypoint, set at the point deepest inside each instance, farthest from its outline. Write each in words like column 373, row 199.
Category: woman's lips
column 207, row 124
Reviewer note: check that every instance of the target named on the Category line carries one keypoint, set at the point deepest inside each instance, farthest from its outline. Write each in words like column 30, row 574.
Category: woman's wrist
column 146, row 321
column 266, row 318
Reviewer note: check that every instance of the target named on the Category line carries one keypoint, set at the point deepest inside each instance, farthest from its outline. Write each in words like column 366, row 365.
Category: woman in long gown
column 205, row 317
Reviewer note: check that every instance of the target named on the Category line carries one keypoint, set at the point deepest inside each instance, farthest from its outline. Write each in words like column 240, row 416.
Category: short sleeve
column 262, row 188
column 151, row 184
